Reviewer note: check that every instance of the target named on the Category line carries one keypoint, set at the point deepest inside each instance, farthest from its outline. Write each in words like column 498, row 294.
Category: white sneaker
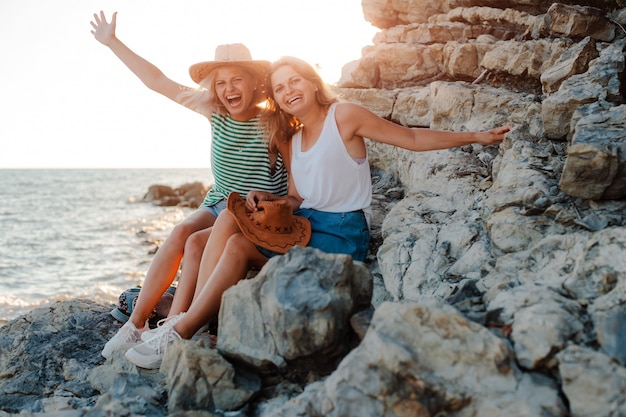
column 128, row 333
column 162, row 324
column 149, row 354
column 198, row 334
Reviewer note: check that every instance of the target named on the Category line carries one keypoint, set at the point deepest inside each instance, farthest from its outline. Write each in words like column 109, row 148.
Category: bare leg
column 194, row 248
column 225, row 226
column 165, row 264
column 238, row 256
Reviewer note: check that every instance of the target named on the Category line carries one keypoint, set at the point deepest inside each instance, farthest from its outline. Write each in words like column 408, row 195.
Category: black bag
column 128, row 299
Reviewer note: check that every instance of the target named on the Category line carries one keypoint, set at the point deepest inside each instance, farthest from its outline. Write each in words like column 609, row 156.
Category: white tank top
column 326, row 176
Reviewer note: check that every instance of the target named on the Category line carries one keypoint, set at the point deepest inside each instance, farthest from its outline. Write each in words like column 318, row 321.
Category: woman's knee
column 183, row 231
column 226, row 221
column 178, row 236
column 196, row 242
column 241, row 248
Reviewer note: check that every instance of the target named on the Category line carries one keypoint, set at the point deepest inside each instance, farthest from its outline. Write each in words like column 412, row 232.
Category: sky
column 66, row 101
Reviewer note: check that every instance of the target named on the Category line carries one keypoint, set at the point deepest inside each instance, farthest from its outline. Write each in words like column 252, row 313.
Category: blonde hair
column 204, row 99
column 279, row 125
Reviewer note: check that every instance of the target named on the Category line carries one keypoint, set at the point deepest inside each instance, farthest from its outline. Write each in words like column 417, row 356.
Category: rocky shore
column 496, row 282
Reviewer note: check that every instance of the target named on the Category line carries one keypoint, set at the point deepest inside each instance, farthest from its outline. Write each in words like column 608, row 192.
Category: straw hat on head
column 273, row 226
column 234, row 53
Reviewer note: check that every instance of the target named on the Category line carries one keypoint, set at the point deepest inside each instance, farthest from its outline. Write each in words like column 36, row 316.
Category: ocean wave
column 70, row 234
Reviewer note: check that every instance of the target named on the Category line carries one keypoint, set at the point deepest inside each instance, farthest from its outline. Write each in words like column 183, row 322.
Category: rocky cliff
column 497, row 276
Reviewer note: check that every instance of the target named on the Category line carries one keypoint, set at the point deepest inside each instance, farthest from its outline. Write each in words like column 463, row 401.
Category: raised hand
column 103, row 31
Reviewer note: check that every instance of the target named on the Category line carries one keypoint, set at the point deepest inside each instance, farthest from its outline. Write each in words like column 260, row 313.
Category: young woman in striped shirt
column 230, row 93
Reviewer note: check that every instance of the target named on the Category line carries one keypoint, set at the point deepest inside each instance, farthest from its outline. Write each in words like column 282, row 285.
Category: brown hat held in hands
column 273, row 226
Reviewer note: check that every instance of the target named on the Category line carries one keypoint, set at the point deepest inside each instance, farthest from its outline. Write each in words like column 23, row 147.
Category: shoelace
column 130, row 333
column 168, row 320
column 162, row 322
column 162, row 340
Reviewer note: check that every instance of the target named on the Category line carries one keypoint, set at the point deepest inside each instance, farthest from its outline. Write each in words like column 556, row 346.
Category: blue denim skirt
column 345, row 233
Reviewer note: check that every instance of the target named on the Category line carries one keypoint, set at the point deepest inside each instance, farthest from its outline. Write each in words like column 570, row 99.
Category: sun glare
column 92, row 111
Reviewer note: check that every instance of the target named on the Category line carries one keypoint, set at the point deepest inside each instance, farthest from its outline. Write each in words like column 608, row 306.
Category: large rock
column 198, row 378
column 423, row 360
column 389, row 13
column 523, row 189
column 542, row 323
column 596, row 158
column 49, row 353
column 600, row 82
column 298, row 308
column 524, row 59
column 574, row 60
column 593, row 384
column 187, row 195
column 578, row 21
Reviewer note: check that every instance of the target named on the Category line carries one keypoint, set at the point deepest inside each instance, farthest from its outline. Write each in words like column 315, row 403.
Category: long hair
column 204, row 99
column 279, row 125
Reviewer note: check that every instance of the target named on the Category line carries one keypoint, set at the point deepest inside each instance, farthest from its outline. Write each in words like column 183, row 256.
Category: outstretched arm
column 150, row 75
column 356, row 121
column 439, row 139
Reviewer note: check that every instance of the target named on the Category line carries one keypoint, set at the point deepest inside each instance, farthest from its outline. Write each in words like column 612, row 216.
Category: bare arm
column 150, row 75
column 356, row 121
column 294, row 198
column 255, row 196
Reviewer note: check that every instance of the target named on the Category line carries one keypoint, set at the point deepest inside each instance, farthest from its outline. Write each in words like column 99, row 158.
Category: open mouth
column 233, row 100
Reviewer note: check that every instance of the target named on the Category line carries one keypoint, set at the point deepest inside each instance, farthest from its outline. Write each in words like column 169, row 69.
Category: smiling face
column 292, row 92
column 236, row 88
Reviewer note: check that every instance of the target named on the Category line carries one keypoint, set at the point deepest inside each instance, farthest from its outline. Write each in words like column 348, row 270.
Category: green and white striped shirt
column 240, row 160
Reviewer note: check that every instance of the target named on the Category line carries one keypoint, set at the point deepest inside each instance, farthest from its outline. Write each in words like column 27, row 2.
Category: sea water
column 80, row 233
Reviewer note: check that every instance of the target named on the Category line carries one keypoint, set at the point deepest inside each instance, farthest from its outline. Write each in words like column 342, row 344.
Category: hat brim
column 201, row 70
column 275, row 242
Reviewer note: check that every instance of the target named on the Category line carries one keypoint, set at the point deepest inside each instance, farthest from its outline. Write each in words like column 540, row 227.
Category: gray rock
column 573, row 61
column 425, row 359
column 133, row 395
column 593, row 384
column 542, row 323
column 599, row 82
column 50, row 352
column 198, row 378
column 574, row 21
column 297, row 308
column 612, row 336
column 596, row 158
